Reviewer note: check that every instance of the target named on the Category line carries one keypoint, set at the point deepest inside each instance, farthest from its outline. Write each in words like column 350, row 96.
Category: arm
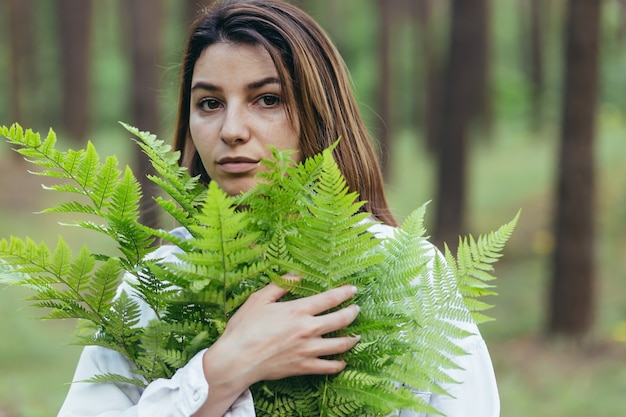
column 181, row 395
column 266, row 339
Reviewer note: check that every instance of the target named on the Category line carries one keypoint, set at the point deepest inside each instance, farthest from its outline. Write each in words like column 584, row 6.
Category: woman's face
column 237, row 112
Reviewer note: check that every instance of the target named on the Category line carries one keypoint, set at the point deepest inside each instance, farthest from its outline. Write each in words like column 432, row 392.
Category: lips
column 237, row 164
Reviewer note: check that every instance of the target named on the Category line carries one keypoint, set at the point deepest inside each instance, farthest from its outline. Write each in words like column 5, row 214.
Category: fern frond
column 278, row 198
column 224, row 255
column 289, row 397
column 373, row 394
column 102, row 285
column 186, row 191
column 110, row 193
column 106, row 183
column 473, row 266
column 69, row 286
column 328, row 242
column 109, row 378
column 120, row 330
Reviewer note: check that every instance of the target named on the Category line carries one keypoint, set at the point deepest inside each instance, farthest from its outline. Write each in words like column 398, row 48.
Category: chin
column 235, row 188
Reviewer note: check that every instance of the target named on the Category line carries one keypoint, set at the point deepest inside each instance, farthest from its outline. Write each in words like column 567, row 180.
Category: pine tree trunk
column 532, row 35
column 384, row 83
column 480, row 100
column 74, row 17
column 461, row 75
column 146, row 21
column 572, row 286
column 22, row 63
column 426, row 54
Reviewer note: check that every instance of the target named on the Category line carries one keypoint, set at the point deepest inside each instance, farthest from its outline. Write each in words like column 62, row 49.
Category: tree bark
column 461, row 77
column 74, row 18
column 621, row 32
column 480, row 100
column 384, row 82
column 532, row 12
column 572, row 286
column 146, row 21
column 422, row 12
column 22, row 63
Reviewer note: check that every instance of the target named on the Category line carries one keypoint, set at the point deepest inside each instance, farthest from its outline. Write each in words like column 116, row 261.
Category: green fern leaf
column 224, row 258
column 187, row 192
column 473, row 265
column 108, row 378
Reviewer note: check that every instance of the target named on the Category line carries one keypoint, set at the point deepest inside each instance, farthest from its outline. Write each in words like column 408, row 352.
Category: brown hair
column 315, row 83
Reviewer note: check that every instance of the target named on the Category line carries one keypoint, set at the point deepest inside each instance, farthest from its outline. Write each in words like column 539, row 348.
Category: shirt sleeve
column 180, row 396
column 476, row 394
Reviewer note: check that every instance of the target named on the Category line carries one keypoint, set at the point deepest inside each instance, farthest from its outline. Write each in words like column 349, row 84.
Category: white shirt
column 476, row 394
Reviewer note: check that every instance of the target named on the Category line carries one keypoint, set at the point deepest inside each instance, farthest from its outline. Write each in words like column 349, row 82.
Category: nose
column 235, row 127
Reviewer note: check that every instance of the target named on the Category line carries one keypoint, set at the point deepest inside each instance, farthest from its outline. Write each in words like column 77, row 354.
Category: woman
column 259, row 73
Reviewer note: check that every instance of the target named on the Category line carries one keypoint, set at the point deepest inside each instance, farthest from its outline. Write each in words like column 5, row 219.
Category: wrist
column 224, row 372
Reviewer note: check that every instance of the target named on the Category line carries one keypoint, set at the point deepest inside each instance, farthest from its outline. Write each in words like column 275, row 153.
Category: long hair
column 315, row 82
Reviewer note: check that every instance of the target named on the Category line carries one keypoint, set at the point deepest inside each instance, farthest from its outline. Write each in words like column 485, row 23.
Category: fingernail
column 354, row 289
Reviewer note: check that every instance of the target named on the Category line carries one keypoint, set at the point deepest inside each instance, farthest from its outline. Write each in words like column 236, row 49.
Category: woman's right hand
column 268, row 339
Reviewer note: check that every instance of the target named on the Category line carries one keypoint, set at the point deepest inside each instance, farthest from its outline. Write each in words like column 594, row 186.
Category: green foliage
column 299, row 219
column 473, row 266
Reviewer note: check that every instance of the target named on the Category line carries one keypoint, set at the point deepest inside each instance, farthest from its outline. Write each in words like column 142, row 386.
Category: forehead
column 231, row 62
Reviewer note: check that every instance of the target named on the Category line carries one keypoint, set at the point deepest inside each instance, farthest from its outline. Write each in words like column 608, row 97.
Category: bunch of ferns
column 300, row 219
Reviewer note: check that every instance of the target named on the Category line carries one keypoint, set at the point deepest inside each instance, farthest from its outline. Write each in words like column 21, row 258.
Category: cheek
column 202, row 138
column 290, row 140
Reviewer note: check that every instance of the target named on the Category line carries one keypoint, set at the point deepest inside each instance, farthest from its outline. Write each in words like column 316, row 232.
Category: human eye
column 209, row 104
column 269, row 100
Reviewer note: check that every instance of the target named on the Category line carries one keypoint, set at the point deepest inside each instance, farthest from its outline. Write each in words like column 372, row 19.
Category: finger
column 270, row 293
column 336, row 320
column 318, row 366
column 318, row 303
column 326, row 346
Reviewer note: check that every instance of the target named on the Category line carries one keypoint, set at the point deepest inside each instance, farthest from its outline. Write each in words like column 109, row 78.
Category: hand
column 283, row 339
column 268, row 339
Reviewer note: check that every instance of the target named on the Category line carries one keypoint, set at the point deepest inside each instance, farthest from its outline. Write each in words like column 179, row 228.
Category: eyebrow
column 251, row 86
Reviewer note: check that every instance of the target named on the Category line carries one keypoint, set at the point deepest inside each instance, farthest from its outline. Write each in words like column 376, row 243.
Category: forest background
column 484, row 107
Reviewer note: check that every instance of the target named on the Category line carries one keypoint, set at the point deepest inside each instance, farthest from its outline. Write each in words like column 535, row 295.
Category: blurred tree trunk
column 383, row 109
column 480, row 89
column 145, row 30
column 422, row 12
column 22, row 63
column 461, row 77
column 622, row 21
column 532, row 12
column 74, row 23
column 572, row 286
